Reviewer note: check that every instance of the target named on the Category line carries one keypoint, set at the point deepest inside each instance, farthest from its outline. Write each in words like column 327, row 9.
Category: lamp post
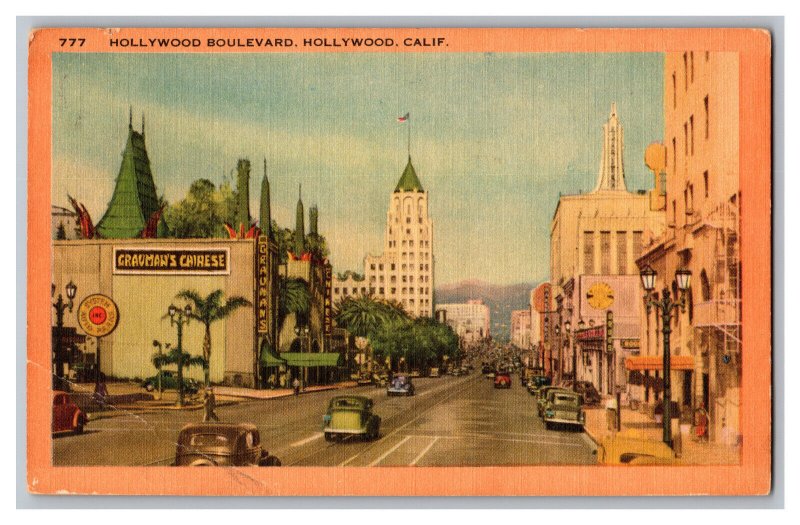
column 568, row 334
column 581, row 326
column 304, row 330
column 557, row 331
column 60, row 306
column 157, row 344
column 178, row 317
column 665, row 306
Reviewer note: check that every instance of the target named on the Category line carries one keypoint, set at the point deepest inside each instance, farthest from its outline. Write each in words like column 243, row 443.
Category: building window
column 622, row 253
column 381, row 291
column 344, row 291
column 393, row 279
column 363, row 290
column 686, row 208
column 707, row 54
column 371, row 290
column 691, row 131
column 372, row 278
column 394, row 291
column 393, row 266
column 674, row 155
column 691, row 64
column 685, row 72
column 674, row 91
column 705, row 111
column 637, row 244
column 686, row 139
column 674, row 212
column 403, row 267
column 405, row 279
column 705, row 184
column 588, row 253
column 421, row 267
column 705, row 286
column 605, row 253
column 408, row 231
column 380, row 267
column 371, row 266
column 380, row 279
column 411, row 279
column 410, row 244
column 336, row 291
column 405, row 291
column 691, row 198
column 408, row 220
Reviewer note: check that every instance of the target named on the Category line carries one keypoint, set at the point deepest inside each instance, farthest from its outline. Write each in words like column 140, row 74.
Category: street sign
column 98, row 315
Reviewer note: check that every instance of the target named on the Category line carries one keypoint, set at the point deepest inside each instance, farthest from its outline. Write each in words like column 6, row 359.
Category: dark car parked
column 590, row 394
column 222, row 445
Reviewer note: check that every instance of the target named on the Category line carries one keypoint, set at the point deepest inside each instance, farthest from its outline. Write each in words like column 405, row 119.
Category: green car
column 351, row 416
column 169, row 381
column 541, row 397
column 564, row 408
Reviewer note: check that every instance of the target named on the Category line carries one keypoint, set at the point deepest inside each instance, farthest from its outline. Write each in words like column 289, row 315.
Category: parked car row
column 559, row 406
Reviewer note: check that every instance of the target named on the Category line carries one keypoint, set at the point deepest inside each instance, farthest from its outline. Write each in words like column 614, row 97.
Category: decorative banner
column 168, row 261
column 610, row 332
column 263, row 285
column 328, row 312
column 98, row 315
column 590, row 334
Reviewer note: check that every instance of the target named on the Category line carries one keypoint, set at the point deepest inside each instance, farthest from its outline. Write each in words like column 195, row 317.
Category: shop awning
column 311, row 359
column 269, row 359
column 656, row 362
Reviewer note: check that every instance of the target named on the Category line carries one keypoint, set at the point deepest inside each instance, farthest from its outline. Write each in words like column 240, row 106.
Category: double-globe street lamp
column 60, row 306
column 665, row 306
column 178, row 317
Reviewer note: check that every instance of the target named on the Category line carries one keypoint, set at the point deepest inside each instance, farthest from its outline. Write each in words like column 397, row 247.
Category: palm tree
column 361, row 316
column 208, row 309
column 294, row 299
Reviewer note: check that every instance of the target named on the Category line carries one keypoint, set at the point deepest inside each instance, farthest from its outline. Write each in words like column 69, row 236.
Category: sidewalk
column 693, row 452
column 250, row 393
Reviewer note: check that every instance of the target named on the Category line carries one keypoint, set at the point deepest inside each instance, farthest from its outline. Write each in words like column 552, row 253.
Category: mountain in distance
column 501, row 299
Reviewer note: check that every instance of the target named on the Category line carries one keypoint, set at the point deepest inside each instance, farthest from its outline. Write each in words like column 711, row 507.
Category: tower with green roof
column 134, row 199
column 409, row 180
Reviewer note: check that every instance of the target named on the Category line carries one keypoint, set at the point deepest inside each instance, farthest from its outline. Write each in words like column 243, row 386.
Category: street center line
column 424, row 451
column 302, row 442
column 386, row 454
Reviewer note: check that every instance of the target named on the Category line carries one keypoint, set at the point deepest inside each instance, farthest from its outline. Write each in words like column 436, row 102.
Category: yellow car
column 633, row 449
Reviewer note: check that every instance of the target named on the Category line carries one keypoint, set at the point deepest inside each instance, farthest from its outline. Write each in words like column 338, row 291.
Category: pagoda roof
column 409, row 180
column 134, row 199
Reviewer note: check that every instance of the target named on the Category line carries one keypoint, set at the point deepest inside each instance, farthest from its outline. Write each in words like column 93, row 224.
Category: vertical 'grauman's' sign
column 328, row 313
column 262, row 285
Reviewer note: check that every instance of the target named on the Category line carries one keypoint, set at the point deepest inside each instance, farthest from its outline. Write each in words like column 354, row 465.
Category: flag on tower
column 403, row 118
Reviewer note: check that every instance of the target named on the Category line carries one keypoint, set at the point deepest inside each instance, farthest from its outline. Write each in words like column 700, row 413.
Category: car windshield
column 346, row 403
column 399, row 381
column 208, row 440
column 567, row 400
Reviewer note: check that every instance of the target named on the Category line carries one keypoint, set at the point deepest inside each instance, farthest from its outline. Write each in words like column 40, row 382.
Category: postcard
column 397, row 261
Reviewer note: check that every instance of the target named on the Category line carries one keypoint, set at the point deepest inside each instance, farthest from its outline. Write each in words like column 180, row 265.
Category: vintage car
column 67, row 417
column 221, row 445
column 400, row 386
column 169, row 381
column 434, row 372
column 536, row 382
column 590, row 394
column 415, row 373
column 541, row 397
column 350, row 416
column 633, row 449
column 564, row 408
column 502, row 380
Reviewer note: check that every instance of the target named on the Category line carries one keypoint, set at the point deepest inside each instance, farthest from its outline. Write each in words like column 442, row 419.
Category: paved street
column 451, row 421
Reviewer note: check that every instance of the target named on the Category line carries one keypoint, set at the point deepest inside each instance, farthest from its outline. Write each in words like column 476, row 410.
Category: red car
column 67, row 417
column 502, row 380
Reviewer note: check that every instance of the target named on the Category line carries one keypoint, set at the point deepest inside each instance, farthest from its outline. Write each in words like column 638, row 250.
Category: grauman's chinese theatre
column 128, row 258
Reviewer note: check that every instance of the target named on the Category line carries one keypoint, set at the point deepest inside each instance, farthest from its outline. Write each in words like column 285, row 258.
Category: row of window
column 381, row 291
column 688, row 75
column 621, row 249
column 422, row 231
column 393, row 279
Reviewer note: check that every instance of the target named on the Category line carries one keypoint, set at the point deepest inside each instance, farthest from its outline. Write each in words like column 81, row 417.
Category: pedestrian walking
column 209, row 404
column 296, row 386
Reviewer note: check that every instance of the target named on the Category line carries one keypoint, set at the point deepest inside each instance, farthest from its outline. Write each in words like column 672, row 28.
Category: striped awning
column 656, row 362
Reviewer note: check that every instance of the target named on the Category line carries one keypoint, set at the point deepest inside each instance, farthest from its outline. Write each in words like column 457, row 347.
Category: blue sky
column 495, row 138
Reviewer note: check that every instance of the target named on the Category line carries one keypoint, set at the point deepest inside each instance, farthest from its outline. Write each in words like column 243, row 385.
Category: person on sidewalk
column 296, row 386
column 209, row 404
column 701, row 423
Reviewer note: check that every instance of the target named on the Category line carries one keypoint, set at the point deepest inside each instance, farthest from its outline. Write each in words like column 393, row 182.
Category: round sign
column 98, row 315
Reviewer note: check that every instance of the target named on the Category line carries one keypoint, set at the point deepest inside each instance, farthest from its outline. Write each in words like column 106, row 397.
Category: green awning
column 269, row 359
column 309, row 359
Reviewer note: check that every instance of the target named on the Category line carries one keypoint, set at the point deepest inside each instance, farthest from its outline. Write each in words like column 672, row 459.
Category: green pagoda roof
column 134, row 199
column 409, row 180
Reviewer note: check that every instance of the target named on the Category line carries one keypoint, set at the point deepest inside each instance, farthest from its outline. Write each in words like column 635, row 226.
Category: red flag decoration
column 85, row 221
column 403, row 118
column 150, row 231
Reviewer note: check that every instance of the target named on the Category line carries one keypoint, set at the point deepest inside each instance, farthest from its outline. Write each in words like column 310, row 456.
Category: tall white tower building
column 404, row 271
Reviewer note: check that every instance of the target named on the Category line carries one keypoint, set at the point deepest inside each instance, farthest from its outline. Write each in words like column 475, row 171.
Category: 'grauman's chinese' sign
column 167, row 261
column 328, row 314
column 262, row 285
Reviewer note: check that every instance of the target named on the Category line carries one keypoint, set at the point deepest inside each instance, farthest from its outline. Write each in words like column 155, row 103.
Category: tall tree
column 207, row 310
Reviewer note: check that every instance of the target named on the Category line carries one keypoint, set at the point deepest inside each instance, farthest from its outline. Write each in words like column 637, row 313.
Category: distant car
column 536, row 382
column 434, row 372
column 485, row 369
column 169, row 381
column 400, row 386
column 502, row 380
column 67, row 417
column 351, row 416
column 564, row 408
column 590, row 394
column 221, row 445
column 414, row 373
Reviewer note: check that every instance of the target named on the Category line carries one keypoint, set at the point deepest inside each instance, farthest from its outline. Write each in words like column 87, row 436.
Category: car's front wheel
column 328, row 436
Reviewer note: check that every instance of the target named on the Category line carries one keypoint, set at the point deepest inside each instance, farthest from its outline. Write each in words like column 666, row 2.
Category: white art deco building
column 404, row 271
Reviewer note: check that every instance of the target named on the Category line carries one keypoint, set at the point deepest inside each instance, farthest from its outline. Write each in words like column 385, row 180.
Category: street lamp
column 665, row 306
column 157, row 344
column 178, row 317
column 571, row 346
column 60, row 306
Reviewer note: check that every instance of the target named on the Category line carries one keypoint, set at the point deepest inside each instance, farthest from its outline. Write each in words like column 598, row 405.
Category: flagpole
column 409, row 137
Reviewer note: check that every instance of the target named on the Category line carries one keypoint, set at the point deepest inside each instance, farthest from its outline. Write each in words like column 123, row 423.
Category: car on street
column 590, row 394
column 541, row 397
column 536, row 382
column 502, row 380
column 415, row 373
column 434, row 372
column 222, row 445
column 400, row 386
column 351, row 416
column 67, row 417
column 564, row 408
column 169, row 381
column 632, row 449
